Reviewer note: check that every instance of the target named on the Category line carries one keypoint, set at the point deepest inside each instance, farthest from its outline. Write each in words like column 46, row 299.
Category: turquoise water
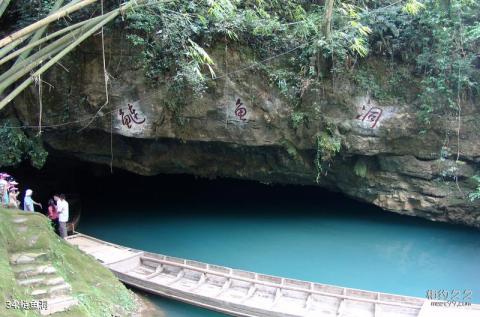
column 294, row 232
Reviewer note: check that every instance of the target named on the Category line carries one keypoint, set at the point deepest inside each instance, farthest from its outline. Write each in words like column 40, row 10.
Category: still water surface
column 296, row 232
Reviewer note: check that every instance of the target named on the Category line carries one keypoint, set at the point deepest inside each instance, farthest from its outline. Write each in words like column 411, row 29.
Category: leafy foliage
column 360, row 169
column 170, row 36
column 298, row 119
column 16, row 146
column 476, row 193
column 328, row 146
column 441, row 44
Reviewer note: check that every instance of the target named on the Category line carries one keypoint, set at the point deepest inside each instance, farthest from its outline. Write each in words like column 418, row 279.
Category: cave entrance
column 301, row 232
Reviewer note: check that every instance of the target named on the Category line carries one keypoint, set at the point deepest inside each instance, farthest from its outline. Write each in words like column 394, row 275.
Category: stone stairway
column 34, row 271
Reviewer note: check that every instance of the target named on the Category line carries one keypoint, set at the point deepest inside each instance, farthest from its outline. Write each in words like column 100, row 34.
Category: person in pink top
column 53, row 214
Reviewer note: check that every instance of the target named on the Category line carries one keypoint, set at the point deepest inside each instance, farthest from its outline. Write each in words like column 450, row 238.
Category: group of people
column 58, row 208
column 8, row 191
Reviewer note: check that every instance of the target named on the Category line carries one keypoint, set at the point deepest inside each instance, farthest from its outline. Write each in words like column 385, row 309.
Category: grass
column 99, row 293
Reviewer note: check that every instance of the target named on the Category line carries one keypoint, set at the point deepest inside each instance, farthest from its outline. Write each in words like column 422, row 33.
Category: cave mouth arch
column 90, row 184
column 302, row 232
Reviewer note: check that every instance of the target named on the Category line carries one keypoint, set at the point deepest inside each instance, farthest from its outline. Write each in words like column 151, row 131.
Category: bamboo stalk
column 35, row 37
column 59, row 56
column 46, row 50
column 38, row 55
column 45, row 39
column 3, row 6
column 39, row 32
column 59, row 46
column 44, row 22
column 22, row 68
column 71, row 3
column 25, row 70
column 12, row 45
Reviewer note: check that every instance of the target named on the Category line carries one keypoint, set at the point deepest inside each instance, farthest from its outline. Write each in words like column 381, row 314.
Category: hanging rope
column 105, row 76
column 152, row 95
column 111, row 142
column 225, row 82
column 459, row 106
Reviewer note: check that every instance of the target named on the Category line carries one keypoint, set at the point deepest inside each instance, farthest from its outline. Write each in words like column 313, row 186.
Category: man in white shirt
column 63, row 210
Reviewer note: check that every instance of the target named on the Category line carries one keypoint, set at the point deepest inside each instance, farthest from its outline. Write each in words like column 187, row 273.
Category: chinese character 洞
column 372, row 116
column 130, row 117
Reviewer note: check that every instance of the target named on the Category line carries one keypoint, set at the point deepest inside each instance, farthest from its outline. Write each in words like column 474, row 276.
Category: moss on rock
column 97, row 290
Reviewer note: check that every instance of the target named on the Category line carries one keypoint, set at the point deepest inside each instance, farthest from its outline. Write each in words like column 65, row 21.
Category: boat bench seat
column 184, row 284
column 261, row 299
column 234, row 294
column 290, row 304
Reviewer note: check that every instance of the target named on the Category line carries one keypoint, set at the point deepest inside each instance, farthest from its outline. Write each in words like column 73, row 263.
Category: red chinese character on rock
column 132, row 116
column 372, row 116
column 240, row 110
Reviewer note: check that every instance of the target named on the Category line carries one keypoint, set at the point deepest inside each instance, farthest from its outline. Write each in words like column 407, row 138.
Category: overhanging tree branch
column 76, row 34
column 3, row 6
column 39, row 32
column 46, row 39
column 44, row 22
column 51, row 62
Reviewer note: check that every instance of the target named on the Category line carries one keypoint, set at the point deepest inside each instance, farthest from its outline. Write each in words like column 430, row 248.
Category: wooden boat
column 242, row 293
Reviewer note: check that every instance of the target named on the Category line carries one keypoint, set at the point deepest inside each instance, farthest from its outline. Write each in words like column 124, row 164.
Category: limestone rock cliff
column 242, row 127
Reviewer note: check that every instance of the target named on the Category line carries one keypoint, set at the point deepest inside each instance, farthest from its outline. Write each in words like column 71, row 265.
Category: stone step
column 21, row 229
column 39, row 293
column 29, row 270
column 18, row 220
column 54, row 281
column 58, row 304
column 45, row 292
column 27, row 257
column 41, row 281
column 33, row 281
column 32, row 241
column 61, row 289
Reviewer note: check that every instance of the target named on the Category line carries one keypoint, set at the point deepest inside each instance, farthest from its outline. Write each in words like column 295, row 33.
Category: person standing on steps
column 28, row 202
column 13, row 194
column 63, row 210
column 3, row 189
column 53, row 214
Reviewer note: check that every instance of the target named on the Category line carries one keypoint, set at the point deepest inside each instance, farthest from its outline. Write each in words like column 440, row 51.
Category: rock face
column 242, row 127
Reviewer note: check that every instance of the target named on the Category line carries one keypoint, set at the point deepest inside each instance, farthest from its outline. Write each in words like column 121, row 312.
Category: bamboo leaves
column 200, row 56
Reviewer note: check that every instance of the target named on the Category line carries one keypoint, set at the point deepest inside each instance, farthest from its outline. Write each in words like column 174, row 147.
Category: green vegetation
column 16, row 146
column 424, row 53
column 298, row 119
column 176, row 36
column 100, row 294
column 476, row 193
column 328, row 146
column 291, row 149
column 360, row 169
